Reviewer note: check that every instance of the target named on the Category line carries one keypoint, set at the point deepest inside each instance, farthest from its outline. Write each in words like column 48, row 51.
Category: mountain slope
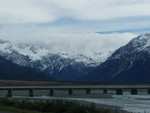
column 129, row 64
column 11, row 71
column 62, row 66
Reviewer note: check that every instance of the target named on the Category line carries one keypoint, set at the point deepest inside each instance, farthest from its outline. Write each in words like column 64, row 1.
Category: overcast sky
column 83, row 25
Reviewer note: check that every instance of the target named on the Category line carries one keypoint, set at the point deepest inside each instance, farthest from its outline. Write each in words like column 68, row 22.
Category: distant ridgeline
column 128, row 64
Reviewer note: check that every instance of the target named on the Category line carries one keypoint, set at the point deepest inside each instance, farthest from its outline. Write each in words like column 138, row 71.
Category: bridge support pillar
column 88, row 91
column 9, row 93
column 31, row 92
column 119, row 91
column 51, row 92
column 70, row 91
column 134, row 91
column 148, row 91
column 104, row 91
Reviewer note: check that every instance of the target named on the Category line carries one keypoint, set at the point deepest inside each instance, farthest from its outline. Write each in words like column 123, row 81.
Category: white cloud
column 103, row 9
column 23, row 11
column 45, row 22
column 42, row 11
column 85, row 43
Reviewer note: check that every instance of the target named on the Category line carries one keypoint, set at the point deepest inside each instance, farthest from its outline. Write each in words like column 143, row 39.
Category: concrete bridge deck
column 110, row 86
column 119, row 88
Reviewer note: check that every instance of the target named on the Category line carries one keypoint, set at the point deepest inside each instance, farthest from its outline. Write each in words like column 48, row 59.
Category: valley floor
column 133, row 104
column 84, row 100
column 126, row 103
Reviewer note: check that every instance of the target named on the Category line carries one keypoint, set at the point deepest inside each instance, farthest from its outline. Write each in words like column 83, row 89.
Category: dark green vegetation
column 53, row 106
column 12, row 71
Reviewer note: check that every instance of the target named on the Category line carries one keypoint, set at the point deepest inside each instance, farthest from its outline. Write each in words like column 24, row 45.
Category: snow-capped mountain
column 128, row 64
column 62, row 65
column 35, row 52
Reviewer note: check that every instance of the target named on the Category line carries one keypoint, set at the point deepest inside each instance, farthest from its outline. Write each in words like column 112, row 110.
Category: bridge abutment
column 9, row 94
column 105, row 91
column 70, row 91
column 134, row 91
column 31, row 93
column 51, row 92
column 148, row 91
column 119, row 91
column 88, row 91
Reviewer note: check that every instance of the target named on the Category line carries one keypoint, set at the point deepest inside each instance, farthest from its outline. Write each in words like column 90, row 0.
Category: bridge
column 119, row 88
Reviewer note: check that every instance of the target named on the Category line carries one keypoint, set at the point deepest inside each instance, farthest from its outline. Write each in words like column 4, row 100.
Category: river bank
column 81, row 101
column 36, row 105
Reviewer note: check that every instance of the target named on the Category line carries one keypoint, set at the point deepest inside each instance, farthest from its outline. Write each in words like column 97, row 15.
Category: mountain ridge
column 12, row 71
column 59, row 65
column 128, row 64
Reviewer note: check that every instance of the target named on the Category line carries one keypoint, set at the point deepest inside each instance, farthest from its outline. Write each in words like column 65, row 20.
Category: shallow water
column 133, row 103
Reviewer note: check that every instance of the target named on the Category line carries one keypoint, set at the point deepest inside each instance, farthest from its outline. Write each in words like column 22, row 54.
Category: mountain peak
column 4, row 41
column 140, row 43
column 145, row 36
column 61, row 64
column 35, row 52
column 6, row 46
column 128, row 64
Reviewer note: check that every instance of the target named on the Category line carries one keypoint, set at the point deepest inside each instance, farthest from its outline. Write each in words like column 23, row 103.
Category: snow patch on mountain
column 35, row 52
column 128, row 64
column 60, row 65
column 94, row 60
column 6, row 46
column 141, row 42
column 35, row 56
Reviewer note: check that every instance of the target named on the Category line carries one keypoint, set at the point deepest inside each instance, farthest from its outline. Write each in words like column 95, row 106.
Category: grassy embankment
column 37, row 83
column 53, row 106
